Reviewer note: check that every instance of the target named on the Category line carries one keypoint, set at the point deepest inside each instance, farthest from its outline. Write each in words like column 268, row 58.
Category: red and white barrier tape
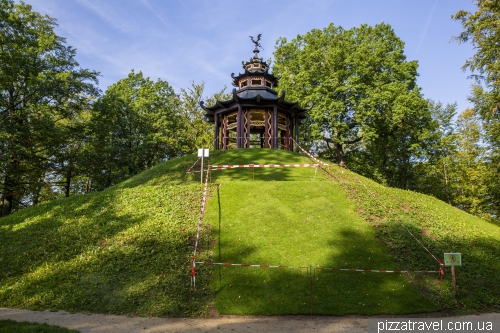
column 192, row 166
column 209, row 263
column 235, row 166
column 309, row 154
column 422, row 245
column 200, row 223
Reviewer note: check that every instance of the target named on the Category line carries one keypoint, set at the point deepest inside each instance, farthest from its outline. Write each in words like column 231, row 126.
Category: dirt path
column 97, row 323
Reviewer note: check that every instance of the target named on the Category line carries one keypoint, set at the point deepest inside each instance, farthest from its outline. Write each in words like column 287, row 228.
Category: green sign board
column 453, row 259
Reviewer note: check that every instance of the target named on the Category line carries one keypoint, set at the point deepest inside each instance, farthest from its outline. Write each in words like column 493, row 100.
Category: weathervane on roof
column 256, row 42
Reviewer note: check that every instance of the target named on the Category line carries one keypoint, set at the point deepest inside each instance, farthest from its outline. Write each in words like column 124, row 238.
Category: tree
column 438, row 169
column 482, row 29
column 136, row 124
column 471, row 166
column 198, row 133
column 363, row 90
column 41, row 86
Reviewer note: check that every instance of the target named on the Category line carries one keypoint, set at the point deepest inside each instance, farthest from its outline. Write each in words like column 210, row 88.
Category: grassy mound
column 127, row 250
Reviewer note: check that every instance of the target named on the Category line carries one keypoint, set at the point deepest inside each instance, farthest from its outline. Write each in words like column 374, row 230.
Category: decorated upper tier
column 256, row 71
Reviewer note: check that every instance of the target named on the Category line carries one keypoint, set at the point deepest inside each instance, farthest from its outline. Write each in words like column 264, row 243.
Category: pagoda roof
column 254, row 96
column 250, row 72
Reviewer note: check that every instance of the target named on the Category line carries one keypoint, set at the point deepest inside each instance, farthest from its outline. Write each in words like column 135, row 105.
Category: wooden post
column 454, row 283
column 216, row 133
column 275, row 128
column 201, row 171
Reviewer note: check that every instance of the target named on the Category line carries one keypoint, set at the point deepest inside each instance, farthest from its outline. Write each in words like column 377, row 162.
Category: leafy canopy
column 42, row 87
column 359, row 81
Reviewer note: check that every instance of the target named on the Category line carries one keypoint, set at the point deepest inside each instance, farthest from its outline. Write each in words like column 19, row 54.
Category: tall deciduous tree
column 198, row 133
column 41, row 86
column 363, row 89
column 135, row 125
column 437, row 171
column 482, row 29
column 471, row 165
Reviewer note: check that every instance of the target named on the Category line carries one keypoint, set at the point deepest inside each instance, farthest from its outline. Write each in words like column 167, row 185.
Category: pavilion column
column 248, row 120
column 275, row 127
column 216, row 133
column 224, row 133
column 239, row 126
column 266, row 129
column 297, row 132
column 288, row 133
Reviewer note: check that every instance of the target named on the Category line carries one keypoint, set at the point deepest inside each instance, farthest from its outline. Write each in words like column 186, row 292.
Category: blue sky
column 184, row 41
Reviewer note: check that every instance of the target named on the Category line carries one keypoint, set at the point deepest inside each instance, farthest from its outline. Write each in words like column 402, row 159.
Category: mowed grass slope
column 442, row 228
column 302, row 224
column 127, row 250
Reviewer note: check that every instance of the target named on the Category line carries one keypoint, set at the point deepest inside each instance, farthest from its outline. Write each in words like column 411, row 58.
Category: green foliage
column 482, row 29
column 437, row 172
column 197, row 132
column 9, row 326
column 134, row 126
column 42, row 90
column 359, row 81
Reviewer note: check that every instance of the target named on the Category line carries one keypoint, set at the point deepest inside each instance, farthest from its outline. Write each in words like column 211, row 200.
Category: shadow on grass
column 311, row 290
column 281, row 291
column 122, row 251
column 441, row 228
column 477, row 278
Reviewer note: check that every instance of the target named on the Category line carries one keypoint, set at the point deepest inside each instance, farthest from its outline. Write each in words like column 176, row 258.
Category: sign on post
column 202, row 152
column 453, row 259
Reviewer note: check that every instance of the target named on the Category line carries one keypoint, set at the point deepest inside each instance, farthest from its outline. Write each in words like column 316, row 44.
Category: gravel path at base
column 98, row 323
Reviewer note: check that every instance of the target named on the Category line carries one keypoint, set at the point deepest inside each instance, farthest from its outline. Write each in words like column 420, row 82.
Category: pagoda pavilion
column 255, row 116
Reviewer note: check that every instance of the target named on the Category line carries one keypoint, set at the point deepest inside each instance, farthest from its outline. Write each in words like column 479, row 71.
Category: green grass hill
column 128, row 249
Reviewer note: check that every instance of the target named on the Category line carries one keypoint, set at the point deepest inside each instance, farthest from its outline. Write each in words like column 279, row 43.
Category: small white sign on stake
column 202, row 152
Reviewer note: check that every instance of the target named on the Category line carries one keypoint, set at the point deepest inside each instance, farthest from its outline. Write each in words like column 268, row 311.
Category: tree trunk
column 67, row 184
column 7, row 197
column 339, row 153
column 446, row 183
column 339, row 150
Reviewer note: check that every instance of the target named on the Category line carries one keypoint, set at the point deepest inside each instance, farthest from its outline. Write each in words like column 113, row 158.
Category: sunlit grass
column 441, row 228
column 303, row 224
column 125, row 250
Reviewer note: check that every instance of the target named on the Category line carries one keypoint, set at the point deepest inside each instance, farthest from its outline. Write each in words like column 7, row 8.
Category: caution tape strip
column 309, row 154
column 200, row 223
column 421, row 244
column 192, row 166
column 235, row 166
column 226, row 264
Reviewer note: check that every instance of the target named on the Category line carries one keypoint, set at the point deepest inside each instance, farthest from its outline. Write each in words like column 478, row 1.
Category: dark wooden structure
column 255, row 116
